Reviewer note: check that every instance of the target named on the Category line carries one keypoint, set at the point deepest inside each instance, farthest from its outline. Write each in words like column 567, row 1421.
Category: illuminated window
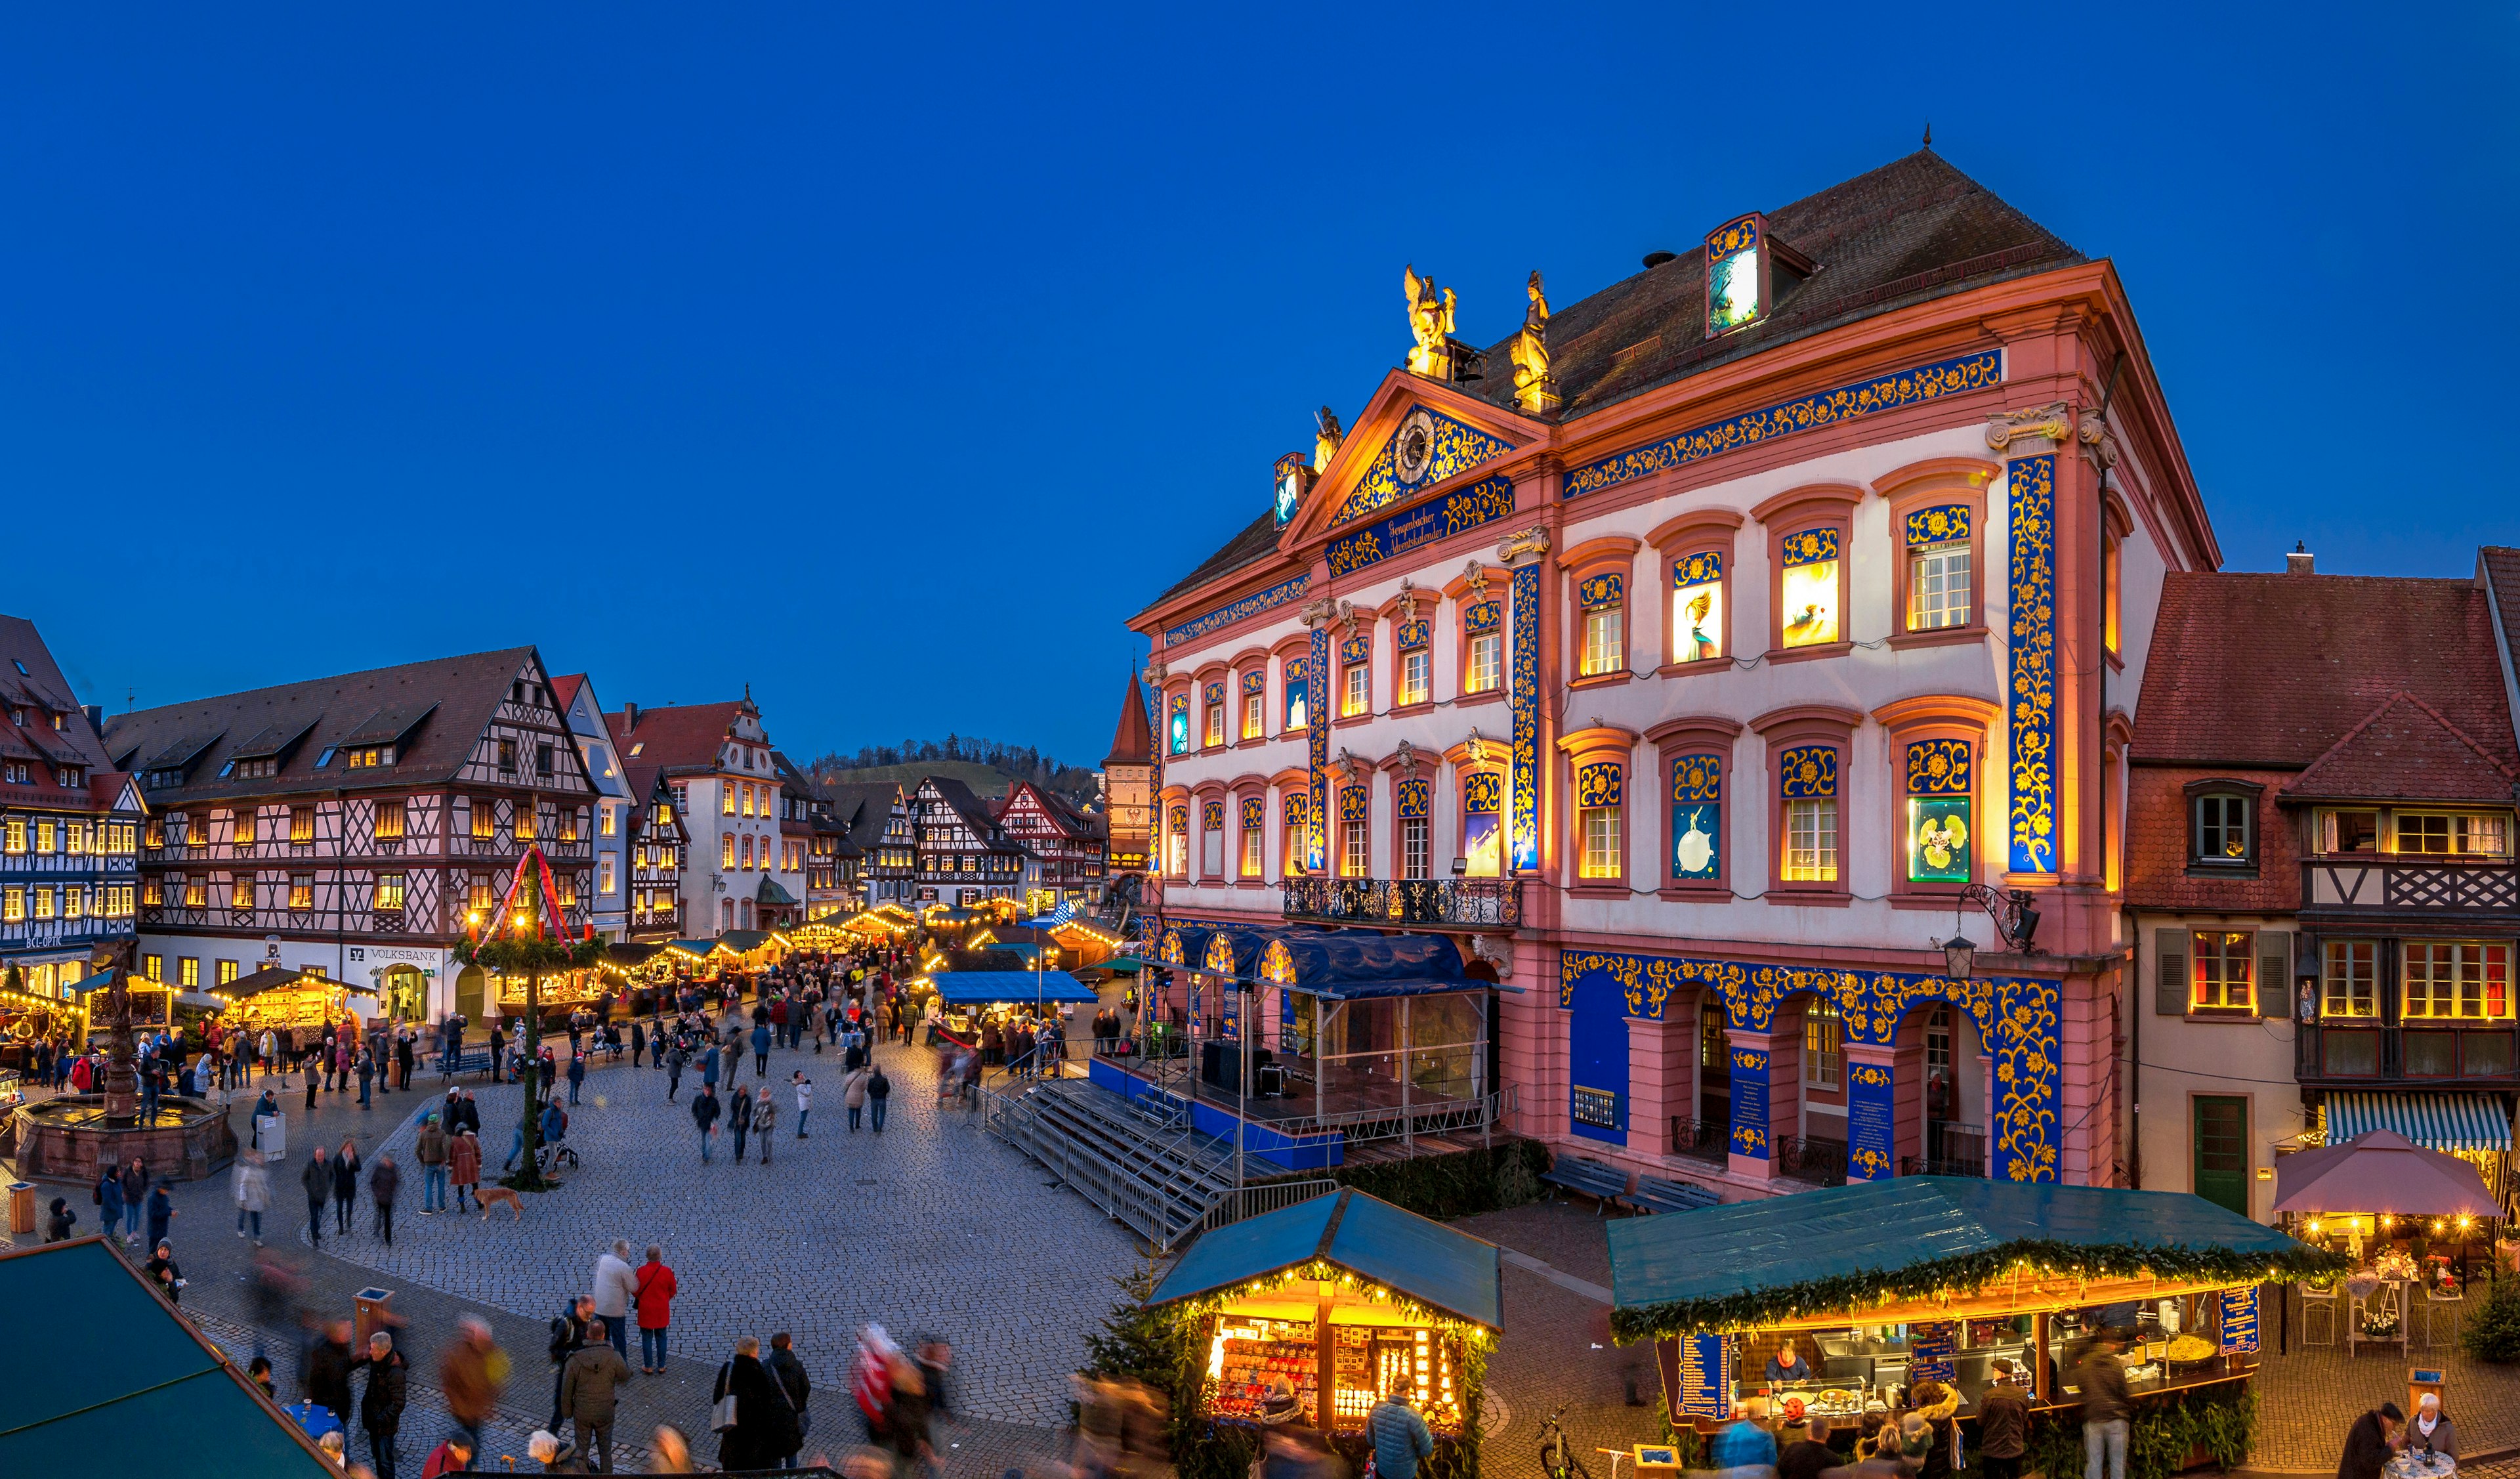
column 197, row 893
column 44, row 903
column 74, row 902
column 611, row 820
column 2350, row 979
column 389, row 892
column 16, row 835
column 2221, row 833
column 46, row 837
column 241, row 892
column 1482, row 805
column 302, row 891
column 1297, row 838
column 2110, row 558
column 1938, row 568
column 1254, row 818
column 1177, row 842
column 1416, row 668
column 74, row 837
column 483, row 820
column 227, row 972
column 154, row 967
column 1600, row 791
column 1698, row 607
column 1177, row 725
column 610, row 883
column 2221, row 971
column 1482, row 647
column 1356, row 857
column 744, row 852
column 1298, row 694
column 1823, row 1042
column 725, row 849
column 565, row 885
column 1806, row 779
column 187, row 972
column 2458, row 980
column 1603, row 600
column 1355, row 677
column 13, row 904
column 1415, row 849
column 1938, row 811
column 570, row 825
column 154, row 892
column 528, row 822
column 1734, row 292
column 2446, row 835
column 2349, row 831
column 478, row 897
column 1697, row 818
column 1807, row 589
column 1212, row 713
column 1256, row 696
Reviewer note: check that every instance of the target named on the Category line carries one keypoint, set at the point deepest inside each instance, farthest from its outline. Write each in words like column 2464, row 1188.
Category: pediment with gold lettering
column 1412, row 437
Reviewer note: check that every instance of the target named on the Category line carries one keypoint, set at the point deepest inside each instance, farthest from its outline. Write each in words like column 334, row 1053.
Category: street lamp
column 1959, row 956
column 2016, row 923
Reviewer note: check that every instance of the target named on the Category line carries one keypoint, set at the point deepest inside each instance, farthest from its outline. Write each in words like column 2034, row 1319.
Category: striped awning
column 2442, row 1119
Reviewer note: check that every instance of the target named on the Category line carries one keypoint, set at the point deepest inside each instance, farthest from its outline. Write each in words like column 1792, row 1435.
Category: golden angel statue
column 1431, row 322
column 1326, row 437
column 1534, row 387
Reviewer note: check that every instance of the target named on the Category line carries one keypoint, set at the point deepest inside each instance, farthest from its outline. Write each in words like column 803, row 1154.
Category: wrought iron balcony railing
column 1808, row 1158
column 1479, row 903
column 1699, row 1139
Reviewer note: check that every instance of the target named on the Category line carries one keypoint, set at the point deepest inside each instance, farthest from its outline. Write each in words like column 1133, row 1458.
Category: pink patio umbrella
column 2381, row 1171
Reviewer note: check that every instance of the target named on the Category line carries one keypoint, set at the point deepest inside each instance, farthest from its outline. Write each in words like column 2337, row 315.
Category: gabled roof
column 678, row 738
column 458, row 697
column 2271, row 670
column 2405, row 751
column 1443, row 1267
column 1133, row 743
column 864, row 808
column 564, row 689
column 965, row 804
column 43, row 692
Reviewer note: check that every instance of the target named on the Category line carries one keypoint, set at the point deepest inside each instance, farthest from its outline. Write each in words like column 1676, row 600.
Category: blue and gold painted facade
column 2030, row 709
column 2019, row 1020
column 1317, row 756
column 1809, row 547
column 1601, row 784
column 1601, row 591
column 1704, row 567
column 1807, row 772
column 1483, row 501
column 1871, row 1123
column 1697, row 816
column 1457, row 449
column 1848, row 402
column 1939, row 767
column 1226, row 616
column 1411, row 797
column 1937, row 525
column 1522, row 697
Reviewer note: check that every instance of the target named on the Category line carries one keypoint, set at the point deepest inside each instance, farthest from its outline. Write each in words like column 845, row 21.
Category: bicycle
column 1557, row 1459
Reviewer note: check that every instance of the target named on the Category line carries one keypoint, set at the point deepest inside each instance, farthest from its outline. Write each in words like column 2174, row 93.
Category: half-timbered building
column 1068, row 843
column 1709, row 658
column 69, row 826
column 717, row 759
column 363, row 821
column 612, row 804
column 964, row 855
column 659, row 847
column 877, row 817
column 2321, row 879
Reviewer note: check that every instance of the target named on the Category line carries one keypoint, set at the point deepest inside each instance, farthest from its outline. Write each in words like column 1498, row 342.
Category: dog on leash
column 491, row 1196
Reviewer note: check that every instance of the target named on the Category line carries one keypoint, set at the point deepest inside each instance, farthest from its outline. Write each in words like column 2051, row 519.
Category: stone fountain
column 74, row 1138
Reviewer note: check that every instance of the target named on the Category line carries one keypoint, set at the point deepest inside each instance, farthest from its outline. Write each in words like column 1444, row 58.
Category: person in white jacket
column 804, row 1102
column 615, row 1286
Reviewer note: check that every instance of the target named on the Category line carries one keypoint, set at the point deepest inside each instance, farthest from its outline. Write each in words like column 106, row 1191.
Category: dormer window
column 2222, row 834
column 370, row 757
column 1748, row 272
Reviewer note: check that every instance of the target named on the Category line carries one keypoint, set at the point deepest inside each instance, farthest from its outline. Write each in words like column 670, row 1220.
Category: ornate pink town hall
column 1734, row 665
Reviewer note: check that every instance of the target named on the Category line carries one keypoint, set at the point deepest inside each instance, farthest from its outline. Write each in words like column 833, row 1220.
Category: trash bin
column 22, row 1206
column 372, row 1310
column 271, row 1135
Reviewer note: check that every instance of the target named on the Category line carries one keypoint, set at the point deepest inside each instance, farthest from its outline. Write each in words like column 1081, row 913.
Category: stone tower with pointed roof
column 1128, row 783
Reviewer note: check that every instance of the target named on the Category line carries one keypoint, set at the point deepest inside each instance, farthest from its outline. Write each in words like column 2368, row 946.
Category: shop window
column 1698, row 595
column 1356, row 677
column 2453, row 835
column 1482, row 647
column 1415, row 862
column 1256, row 695
column 1938, row 811
column 1255, row 815
column 1940, row 589
column 2342, row 832
column 1600, row 794
column 1416, row 663
column 1482, row 806
column 1806, row 782
column 1824, row 1043
column 1298, row 694
column 2455, row 980
column 1806, row 610
column 2220, row 836
column 1177, row 842
column 2349, row 979
column 1211, row 838
column 1603, row 600
column 2221, row 970
column 1356, row 850
column 1697, row 818
column 1212, row 715
column 1176, row 725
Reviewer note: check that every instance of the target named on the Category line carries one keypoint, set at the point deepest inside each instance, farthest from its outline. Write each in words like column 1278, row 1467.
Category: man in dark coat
column 765, row 1427
column 381, row 1411
column 328, row 1372
column 318, row 1180
column 2368, row 1444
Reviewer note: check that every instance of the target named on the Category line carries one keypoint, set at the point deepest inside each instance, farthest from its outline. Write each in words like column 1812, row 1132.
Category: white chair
column 2322, row 1303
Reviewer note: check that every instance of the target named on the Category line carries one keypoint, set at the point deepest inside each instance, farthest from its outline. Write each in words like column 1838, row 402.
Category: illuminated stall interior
column 1877, row 1285
column 968, row 998
column 1344, row 1294
column 46, row 1001
column 296, row 1003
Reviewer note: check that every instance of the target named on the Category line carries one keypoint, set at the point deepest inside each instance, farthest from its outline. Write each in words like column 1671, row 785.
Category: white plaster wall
column 2180, row 1059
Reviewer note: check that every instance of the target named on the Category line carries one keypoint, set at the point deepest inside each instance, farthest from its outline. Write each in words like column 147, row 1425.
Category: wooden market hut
column 1343, row 1294
column 1879, row 1284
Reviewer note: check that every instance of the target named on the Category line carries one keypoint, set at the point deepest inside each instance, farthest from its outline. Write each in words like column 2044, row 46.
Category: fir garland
column 1853, row 1293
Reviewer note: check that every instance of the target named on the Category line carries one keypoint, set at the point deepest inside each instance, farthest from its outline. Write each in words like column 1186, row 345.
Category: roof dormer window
column 1748, row 272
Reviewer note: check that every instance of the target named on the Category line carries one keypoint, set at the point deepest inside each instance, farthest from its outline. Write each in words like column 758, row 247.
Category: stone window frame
column 1789, row 729
column 1813, row 505
column 1600, row 555
column 1932, row 717
column 1704, row 530
column 1594, row 745
column 1936, row 483
column 1698, row 734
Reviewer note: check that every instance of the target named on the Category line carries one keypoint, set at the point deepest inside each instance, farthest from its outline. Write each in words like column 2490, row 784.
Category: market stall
column 1324, row 1306
column 2415, row 1225
column 1840, row 1301
column 970, row 998
column 294, row 1003
column 28, row 1017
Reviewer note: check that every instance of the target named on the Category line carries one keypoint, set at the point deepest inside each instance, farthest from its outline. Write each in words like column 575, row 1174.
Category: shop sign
column 1929, row 1353
column 2240, row 1321
column 1705, row 1378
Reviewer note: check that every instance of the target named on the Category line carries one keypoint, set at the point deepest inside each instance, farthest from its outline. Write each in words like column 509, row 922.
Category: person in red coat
column 654, row 1294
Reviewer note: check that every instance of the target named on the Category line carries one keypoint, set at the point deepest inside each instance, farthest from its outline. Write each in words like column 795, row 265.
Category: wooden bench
column 1653, row 1193
column 1573, row 1173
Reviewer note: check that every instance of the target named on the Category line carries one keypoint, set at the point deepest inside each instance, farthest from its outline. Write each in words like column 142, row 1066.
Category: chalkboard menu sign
column 2240, row 1321
column 1929, row 1353
column 1705, row 1376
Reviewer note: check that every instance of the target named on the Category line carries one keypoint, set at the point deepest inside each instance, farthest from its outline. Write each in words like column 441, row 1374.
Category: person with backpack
column 567, row 1337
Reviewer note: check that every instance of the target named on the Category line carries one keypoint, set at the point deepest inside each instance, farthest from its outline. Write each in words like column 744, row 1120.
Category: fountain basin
column 66, row 1140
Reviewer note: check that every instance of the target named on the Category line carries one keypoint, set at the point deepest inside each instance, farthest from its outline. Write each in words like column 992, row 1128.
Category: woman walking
column 765, row 1120
column 464, row 1169
column 252, row 1193
column 853, row 1094
column 739, row 1120
column 345, row 1183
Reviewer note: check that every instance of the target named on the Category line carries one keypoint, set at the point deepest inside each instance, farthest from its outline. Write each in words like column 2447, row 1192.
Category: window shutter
column 2274, row 973
column 2170, row 987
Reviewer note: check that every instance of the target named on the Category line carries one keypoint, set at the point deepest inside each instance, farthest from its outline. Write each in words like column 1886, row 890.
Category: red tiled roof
column 564, row 690
column 2156, row 848
column 2405, row 751
column 690, row 734
column 1132, row 742
column 2272, row 670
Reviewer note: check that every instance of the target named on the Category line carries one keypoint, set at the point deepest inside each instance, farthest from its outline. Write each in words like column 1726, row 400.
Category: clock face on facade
column 1412, row 449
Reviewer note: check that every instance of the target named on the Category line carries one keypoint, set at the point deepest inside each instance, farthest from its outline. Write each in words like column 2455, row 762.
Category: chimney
column 2298, row 562
column 629, row 716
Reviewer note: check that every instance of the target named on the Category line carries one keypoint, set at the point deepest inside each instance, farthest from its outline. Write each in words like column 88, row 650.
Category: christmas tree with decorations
column 529, row 936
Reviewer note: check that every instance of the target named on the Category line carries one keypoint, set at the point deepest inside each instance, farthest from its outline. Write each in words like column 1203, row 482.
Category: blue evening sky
column 889, row 357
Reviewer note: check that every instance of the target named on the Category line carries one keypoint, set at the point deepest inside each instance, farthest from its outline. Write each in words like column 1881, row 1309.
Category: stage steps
column 1162, row 1181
